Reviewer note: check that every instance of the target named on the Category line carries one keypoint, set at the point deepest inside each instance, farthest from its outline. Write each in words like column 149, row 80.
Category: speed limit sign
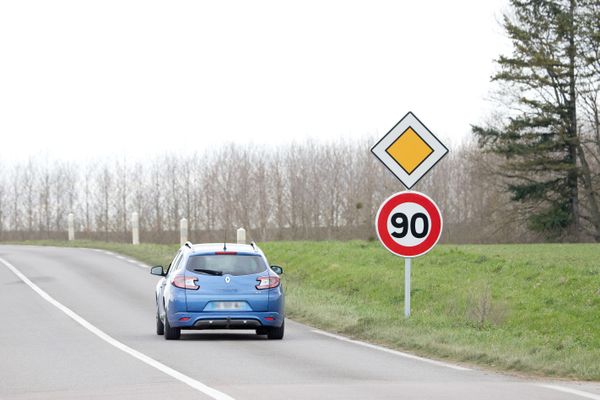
column 409, row 224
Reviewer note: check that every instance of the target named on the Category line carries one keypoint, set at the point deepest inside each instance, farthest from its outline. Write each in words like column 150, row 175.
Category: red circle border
column 409, row 197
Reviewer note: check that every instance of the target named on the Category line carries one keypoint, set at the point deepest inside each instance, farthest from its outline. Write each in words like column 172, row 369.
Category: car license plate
column 228, row 305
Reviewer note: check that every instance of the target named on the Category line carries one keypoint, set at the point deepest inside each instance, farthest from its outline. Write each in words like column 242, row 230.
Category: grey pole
column 183, row 230
column 241, row 236
column 135, row 228
column 71, row 223
column 407, row 262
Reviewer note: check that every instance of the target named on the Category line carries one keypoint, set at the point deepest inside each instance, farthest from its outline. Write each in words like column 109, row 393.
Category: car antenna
column 225, row 242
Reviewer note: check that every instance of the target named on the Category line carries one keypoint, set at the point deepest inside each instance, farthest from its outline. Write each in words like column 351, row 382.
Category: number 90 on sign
column 409, row 224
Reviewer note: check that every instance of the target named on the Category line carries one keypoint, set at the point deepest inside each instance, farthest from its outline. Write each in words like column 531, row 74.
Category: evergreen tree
column 540, row 138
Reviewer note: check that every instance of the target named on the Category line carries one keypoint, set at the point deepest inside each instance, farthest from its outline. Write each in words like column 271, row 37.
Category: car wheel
column 276, row 333
column 160, row 327
column 171, row 333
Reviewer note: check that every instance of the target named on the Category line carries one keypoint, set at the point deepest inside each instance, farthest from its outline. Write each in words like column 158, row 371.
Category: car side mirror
column 277, row 269
column 158, row 270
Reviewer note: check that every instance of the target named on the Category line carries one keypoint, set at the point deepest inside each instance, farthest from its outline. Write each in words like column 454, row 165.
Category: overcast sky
column 81, row 79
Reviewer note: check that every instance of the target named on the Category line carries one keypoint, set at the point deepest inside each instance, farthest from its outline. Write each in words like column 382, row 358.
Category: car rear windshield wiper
column 209, row 271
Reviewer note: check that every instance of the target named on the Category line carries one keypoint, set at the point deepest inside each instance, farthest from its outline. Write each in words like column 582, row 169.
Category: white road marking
column 569, row 390
column 207, row 390
column 129, row 260
column 390, row 351
column 139, row 265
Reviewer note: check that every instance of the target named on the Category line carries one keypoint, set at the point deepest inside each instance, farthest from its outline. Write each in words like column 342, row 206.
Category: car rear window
column 238, row 264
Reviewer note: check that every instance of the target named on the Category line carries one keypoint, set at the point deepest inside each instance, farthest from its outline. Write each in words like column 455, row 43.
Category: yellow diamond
column 409, row 150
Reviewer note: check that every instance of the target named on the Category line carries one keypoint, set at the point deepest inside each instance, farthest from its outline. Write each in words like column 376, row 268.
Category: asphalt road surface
column 79, row 323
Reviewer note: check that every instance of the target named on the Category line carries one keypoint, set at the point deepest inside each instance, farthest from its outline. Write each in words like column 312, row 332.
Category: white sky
column 82, row 79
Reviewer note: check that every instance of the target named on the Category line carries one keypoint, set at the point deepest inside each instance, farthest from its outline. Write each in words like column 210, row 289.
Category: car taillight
column 185, row 282
column 267, row 282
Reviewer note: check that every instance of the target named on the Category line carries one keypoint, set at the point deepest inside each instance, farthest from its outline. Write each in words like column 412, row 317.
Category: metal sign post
column 407, row 262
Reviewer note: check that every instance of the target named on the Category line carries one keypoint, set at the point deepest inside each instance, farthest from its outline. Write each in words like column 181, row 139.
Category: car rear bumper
column 220, row 320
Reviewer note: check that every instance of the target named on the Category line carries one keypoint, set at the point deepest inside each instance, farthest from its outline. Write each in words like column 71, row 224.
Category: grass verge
column 525, row 308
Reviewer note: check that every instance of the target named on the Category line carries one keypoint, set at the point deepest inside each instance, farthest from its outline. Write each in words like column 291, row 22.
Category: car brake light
column 225, row 253
column 267, row 282
column 185, row 282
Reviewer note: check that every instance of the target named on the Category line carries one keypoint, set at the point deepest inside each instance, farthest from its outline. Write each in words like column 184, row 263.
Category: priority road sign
column 409, row 224
column 409, row 150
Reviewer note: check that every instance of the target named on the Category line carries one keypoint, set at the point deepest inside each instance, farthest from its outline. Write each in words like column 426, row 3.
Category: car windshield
column 238, row 264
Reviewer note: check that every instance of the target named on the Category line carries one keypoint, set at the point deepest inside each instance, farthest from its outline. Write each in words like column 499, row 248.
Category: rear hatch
column 227, row 282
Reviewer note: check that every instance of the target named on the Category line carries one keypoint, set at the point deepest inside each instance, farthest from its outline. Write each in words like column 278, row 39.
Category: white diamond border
column 409, row 120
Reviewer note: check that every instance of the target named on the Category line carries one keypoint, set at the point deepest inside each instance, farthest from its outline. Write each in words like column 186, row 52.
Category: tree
column 87, row 194
column 540, row 138
column 589, row 96
column 105, row 187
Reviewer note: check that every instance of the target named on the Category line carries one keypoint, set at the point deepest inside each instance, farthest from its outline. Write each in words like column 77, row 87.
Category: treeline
column 300, row 191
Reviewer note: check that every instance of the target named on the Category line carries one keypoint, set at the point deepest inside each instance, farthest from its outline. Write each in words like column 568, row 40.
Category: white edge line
column 569, row 390
column 207, row 390
column 390, row 351
column 129, row 260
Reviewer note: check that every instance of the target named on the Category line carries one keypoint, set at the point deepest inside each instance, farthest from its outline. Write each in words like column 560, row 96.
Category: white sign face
column 409, row 150
column 409, row 224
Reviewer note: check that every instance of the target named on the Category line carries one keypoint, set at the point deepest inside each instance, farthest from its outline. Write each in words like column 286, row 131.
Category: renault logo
column 227, row 279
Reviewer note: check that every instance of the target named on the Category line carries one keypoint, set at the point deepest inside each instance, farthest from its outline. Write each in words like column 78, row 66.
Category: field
column 531, row 309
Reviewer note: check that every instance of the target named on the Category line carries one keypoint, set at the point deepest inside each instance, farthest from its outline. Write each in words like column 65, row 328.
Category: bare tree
column 307, row 190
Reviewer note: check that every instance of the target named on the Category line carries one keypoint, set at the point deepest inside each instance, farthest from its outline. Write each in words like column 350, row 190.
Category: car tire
column 276, row 333
column 171, row 333
column 160, row 327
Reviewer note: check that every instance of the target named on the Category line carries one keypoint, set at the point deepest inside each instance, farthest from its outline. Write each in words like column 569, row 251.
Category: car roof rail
column 253, row 244
column 188, row 244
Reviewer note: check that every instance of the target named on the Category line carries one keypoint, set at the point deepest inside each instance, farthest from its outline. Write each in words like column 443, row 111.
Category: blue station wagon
column 219, row 286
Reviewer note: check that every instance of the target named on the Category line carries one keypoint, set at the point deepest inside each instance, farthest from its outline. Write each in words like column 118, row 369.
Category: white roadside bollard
column 135, row 228
column 71, row 224
column 241, row 236
column 183, row 231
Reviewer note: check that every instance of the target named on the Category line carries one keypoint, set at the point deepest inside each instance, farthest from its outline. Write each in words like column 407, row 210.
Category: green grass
column 525, row 308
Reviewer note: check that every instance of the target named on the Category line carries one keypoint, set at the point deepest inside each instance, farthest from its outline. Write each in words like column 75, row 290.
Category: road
column 79, row 323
